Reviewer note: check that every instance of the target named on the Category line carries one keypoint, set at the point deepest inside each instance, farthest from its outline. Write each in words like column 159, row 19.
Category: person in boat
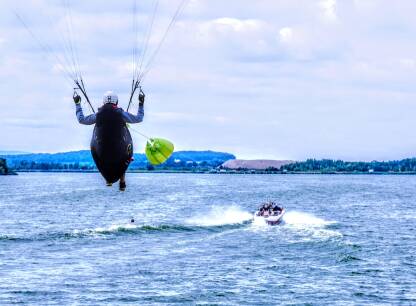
column 277, row 210
column 262, row 210
column 110, row 101
column 269, row 209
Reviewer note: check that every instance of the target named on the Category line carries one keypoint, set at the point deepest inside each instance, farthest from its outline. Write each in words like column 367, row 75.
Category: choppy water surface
column 66, row 239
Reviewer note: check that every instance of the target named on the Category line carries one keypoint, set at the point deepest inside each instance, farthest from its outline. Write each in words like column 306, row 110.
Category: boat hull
column 271, row 220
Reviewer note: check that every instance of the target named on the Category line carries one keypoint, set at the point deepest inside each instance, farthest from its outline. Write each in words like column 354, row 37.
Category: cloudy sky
column 287, row 79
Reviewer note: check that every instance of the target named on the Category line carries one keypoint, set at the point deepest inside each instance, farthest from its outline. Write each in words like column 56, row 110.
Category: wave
column 309, row 226
column 296, row 219
column 10, row 238
column 297, row 226
column 220, row 216
column 216, row 219
column 131, row 228
column 304, row 220
column 115, row 229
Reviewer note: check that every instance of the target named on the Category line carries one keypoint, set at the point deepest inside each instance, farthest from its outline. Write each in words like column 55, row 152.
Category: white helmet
column 110, row 97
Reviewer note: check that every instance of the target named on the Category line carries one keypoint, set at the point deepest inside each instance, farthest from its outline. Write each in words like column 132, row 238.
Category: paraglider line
column 46, row 48
column 153, row 56
column 141, row 134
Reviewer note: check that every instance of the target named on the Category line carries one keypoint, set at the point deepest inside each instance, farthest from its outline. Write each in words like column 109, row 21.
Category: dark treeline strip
column 4, row 170
column 82, row 161
column 328, row 165
column 180, row 165
column 45, row 166
column 201, row 161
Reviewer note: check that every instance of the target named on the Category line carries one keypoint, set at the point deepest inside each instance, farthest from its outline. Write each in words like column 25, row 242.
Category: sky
column 264, row 79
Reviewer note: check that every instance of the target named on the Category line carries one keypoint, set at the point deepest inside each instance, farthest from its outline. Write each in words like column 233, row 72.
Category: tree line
column 4, row 169
column 24, row 165
column 328, row 165
column 310, row 165
column 45, row 166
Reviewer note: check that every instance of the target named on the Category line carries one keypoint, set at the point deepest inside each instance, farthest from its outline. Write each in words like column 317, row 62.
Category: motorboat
column 271, row 216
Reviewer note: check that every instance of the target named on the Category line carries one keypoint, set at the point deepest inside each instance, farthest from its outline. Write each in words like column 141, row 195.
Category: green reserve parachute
column 158, row 150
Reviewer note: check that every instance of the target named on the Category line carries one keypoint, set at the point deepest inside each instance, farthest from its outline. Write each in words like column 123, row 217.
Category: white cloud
column 218, row 30
column 366, row 4
column 329, row 9
column 236, row 25
column 409, row 63
column 286, row 35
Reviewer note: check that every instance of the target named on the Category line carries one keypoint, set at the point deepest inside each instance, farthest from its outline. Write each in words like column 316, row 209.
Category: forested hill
column 83, row 160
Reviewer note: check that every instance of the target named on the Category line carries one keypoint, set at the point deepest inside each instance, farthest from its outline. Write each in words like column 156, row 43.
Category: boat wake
column 99, row 232
column 309, row 227
column 302, row 225
column 297, row 227
column 220, row 216
column 216, row 218
column 302, row 220
column 129, row 228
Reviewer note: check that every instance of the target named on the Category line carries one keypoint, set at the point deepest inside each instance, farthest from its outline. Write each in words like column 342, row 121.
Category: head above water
column 110, row 97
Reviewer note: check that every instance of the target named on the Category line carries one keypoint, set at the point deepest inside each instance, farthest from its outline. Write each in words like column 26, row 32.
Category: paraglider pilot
column 106, row 116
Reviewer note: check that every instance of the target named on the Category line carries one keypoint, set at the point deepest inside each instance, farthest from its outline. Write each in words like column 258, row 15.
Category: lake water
column 345, row 240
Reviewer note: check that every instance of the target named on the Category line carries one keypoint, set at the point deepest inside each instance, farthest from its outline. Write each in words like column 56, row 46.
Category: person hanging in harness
column 111, row 145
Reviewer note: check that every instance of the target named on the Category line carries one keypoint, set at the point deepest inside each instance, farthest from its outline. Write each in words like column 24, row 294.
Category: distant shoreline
column 208, row 162
column 233, row 172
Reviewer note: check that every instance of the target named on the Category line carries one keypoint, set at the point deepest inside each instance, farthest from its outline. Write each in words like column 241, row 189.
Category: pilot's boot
column 122, row 183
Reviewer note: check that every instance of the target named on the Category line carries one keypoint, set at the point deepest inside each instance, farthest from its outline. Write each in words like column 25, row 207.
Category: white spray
column 218, row 216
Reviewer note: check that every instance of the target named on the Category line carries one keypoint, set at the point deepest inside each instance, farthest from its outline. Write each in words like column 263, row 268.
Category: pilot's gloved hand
column 141, row 98
column 77, row 98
